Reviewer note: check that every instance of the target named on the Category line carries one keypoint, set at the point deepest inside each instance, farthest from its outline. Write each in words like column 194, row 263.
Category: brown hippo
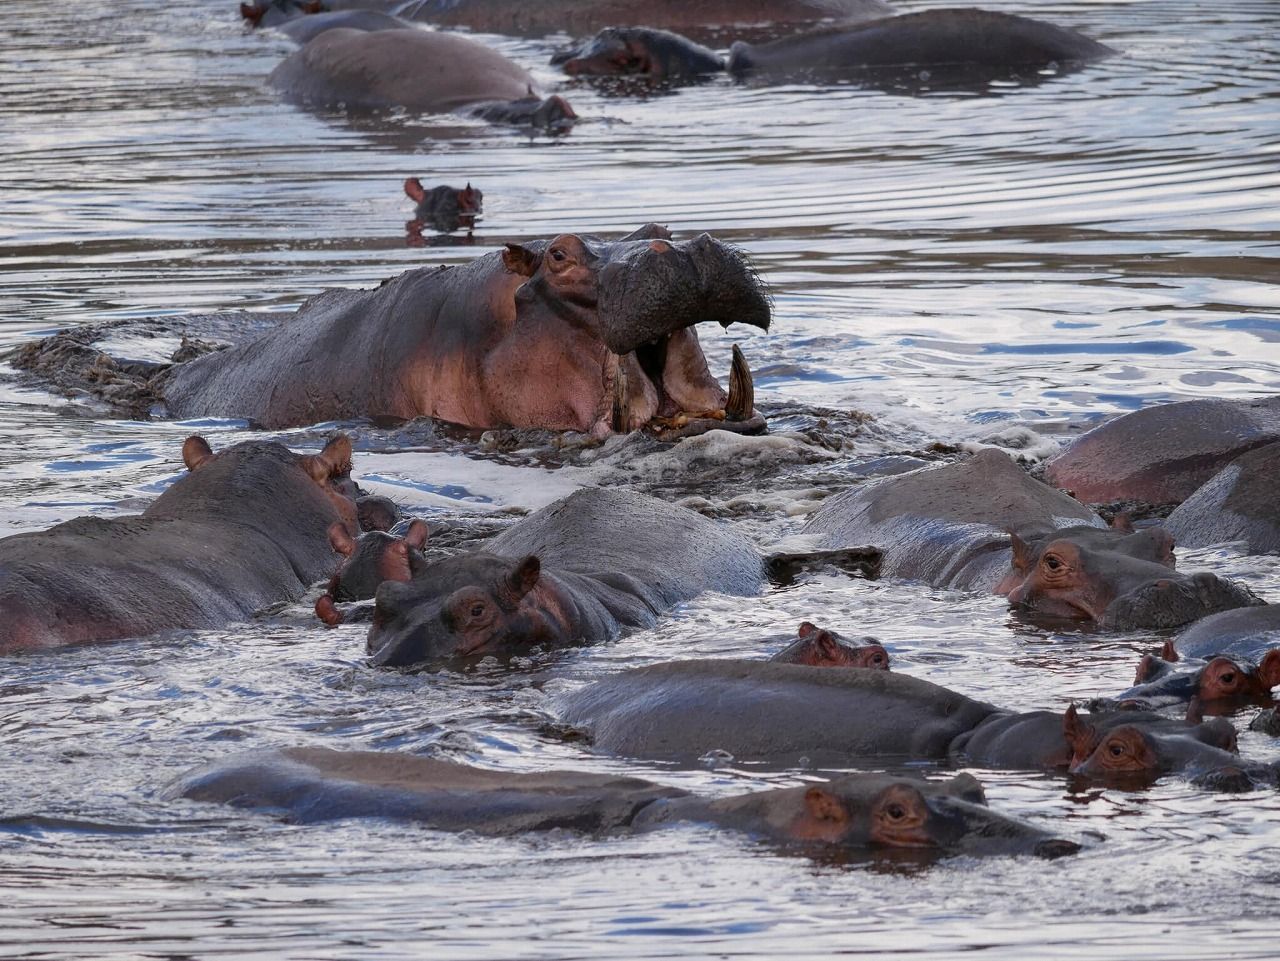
column 567, row 334
column 374, row 557
column 1240, row 503
column 416, row 70
column 578, row 571
column 949, row 526
column 1214, row 683
column 788, row 714
column 1161, row 454
column 962, row 38
column 818, row 647
column 856, row 811
column 443, row 208
column 243, row 529
column 579, row 17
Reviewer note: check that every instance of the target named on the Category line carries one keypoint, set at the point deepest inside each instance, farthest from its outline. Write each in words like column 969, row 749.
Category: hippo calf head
column 1118, row 579
column 638, row 51
column 1133, row 748
column 1215, row 683
column 822, row 648
column 634, row 303
column 374, row 557
column 473, row 605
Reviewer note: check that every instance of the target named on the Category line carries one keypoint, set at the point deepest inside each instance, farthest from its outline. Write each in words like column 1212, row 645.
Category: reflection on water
column 964, row 268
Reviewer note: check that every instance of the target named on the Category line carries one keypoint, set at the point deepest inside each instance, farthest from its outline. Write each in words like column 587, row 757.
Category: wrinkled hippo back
column 767, row 711
column 1239, row 503
column 948, row 525
column 674, row 551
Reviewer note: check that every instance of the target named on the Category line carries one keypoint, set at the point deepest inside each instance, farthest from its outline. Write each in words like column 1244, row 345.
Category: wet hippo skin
column 1241, row 503
column 1248, row 633
column 245, row 528
column 858, row 811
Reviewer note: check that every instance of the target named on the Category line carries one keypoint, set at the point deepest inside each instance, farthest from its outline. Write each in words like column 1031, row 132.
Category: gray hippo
column 303, row 29
column 1161, row 454
column 374, row 557
column 444, row 208
column 1214, row 682
column 416, row 70
column 871, row 811
column 1248, row 633
column 984, row 524
column 962, row 38
column 245, row 528
column 1241, row 503
column 788, row 714
column 578, row 571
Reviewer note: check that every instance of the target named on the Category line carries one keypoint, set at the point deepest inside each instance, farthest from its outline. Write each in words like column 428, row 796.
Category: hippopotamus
column 1160, row 455
column 580, row 570
column 579, row 17
column 788, row 714
column 639, row 51
column 1249, row 633
column 303, row 29
column 1240, row 503
column 374, row 557
column 950, row 527
column 308, row 785
column 965, row 38
column 570, row 334
column 377, row 513
column 243, row 529
column 271, row 13
column 443, row 208
column 819, row 647
column 416, row 70
column 1209, row 682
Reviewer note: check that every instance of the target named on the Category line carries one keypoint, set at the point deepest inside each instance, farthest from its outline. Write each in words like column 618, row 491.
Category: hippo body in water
column 443, row 208
column 1215, row 682
column 1162, row 454
column 243, row 529
column 787, row 714
column 950, row 527
column 580, row 570
column 858, row 811
column 567, row 334
column 1249, row 633
column 1241, row 503
column 818, row 647
column 303, row 29
column 416, row 70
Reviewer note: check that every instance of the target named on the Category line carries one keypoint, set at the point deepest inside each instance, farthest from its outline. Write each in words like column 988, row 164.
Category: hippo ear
column 822, row 805
column 520, row 260
column 649, row 232
column 522, row 580
column 413, row 189
column 470, row 197
column 1023, row 555
column 333, row 461
column 1122, row 522
column 806, row 628
column 1269, row 668
column 416, row 535
column 1146, row 669
column 966, row 787
column 1168, row 652
column 328, row 611
column 340, row 540
column 195, row 451
column 828, row 646
column 1081, row 736
column 252, row 12
column 1195, row 710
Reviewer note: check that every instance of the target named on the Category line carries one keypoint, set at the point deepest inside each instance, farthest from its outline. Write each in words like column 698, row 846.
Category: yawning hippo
column 1241, row 503
column 1161, row 454
column 787, row 714
column 578, row 571
column 948, row 526
column 856, row 811
column 244, row 529
column 416, row 70
column 567, row 334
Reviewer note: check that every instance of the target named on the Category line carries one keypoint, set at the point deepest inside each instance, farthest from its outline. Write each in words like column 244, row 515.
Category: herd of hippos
column 579, row 334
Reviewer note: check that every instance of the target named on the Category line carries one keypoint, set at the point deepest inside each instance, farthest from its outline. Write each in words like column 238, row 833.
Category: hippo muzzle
column 974, row 828
column 1175, row 601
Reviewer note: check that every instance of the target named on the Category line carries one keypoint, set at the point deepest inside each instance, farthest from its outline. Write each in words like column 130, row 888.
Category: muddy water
column 1004, row 268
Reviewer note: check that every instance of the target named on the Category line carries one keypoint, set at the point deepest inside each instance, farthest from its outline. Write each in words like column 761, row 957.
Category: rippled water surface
column 1004, row 268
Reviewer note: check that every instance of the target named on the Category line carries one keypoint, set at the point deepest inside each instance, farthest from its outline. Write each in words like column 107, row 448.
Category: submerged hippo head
column 1134, row 747
column 375, row 557
column 639, row 299
column 884, row 811
column 638, row 51
column 1216, row 683
column 473, row 605
column 551, row 113
column 822, row 648
column 268, row 13
column 1115, row 578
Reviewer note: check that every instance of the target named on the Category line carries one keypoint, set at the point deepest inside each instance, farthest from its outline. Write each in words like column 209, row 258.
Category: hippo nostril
column 1056, row 848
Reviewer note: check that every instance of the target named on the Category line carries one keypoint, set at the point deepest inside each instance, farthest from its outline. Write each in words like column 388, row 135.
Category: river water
column 1002, row 268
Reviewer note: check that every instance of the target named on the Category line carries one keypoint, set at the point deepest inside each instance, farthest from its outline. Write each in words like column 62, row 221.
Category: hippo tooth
column 742, row 390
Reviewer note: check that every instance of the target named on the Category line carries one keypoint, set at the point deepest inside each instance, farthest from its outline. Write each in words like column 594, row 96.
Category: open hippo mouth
column 656, row 377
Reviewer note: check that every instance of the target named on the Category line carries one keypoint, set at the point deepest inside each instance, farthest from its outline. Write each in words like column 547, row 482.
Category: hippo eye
column 1053, row 562
column 1227, row 678
column 1116, row 749
column 477, row 609
column 895, row 812
column 558, row 255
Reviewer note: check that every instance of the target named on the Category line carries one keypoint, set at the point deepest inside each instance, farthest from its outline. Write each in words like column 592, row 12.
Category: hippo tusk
column 742, row 391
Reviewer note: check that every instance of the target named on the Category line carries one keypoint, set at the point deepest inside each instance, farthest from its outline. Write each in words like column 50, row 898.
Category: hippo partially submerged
column 857, row 811
column 1249, row 633
column 788, row 714
column 984, row 524
column 1216, row 683
column 819, row 647
column 443, row 207
column 578, row 571
column 245, row 528
column 417, row 70
column 1240, row 504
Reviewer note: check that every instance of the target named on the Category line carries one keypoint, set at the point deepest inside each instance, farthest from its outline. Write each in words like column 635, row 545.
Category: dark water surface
column 1004, row 268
